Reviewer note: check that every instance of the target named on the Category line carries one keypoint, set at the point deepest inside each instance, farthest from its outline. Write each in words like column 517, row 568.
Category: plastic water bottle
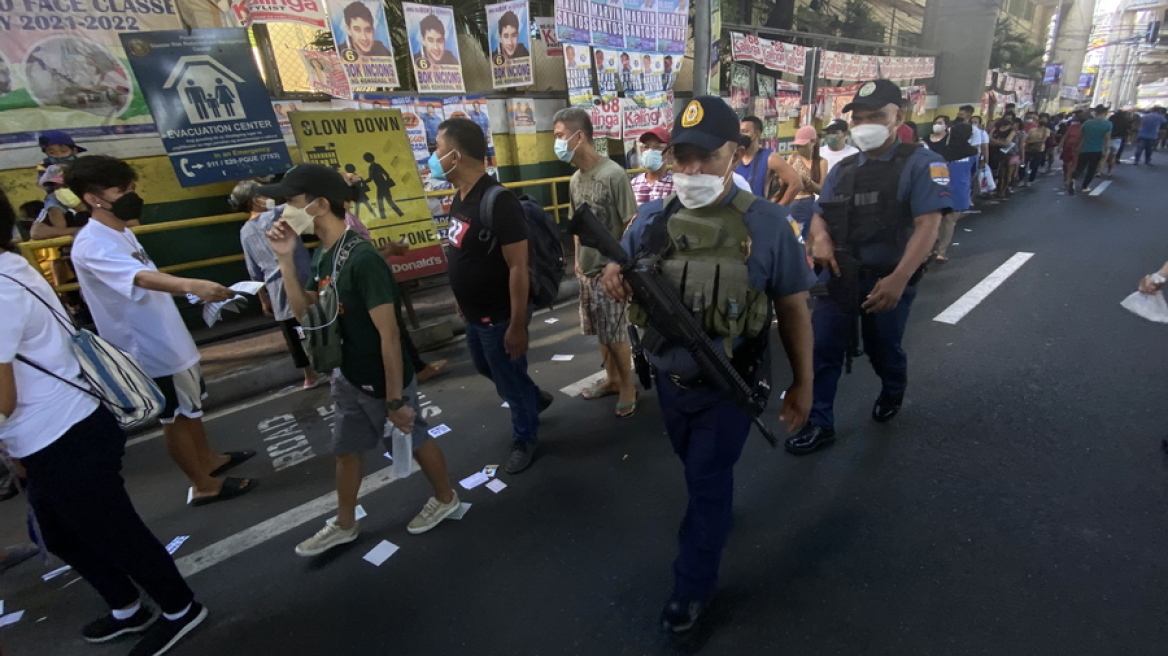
column 403, row 456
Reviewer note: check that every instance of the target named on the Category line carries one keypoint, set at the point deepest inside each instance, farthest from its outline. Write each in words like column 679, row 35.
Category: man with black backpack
column 490, row 276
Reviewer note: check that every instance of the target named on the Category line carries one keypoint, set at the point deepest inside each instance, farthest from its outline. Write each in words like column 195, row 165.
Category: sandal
column 432, row 370
column 597, row 392
column 234, row 458
column 631, row 407
column 232, row 487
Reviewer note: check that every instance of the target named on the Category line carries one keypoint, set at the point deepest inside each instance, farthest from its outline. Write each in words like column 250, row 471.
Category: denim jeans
column 882, row 334
column 514, row 386
column 1144, row 147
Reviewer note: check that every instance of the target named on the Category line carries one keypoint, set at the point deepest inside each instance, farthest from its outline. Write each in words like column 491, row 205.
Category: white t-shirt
column 146, row 324
column 833, row 157
column 45, row 407
column 979, row 137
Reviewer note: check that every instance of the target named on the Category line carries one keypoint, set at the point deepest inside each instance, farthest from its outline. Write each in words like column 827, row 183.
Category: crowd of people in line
column 773, row 241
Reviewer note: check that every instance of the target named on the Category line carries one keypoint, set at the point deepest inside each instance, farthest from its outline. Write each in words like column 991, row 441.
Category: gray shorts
column 360, row 418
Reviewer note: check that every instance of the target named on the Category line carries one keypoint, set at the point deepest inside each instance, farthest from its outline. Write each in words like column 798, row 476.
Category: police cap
column 875, row 95
column 707, row 122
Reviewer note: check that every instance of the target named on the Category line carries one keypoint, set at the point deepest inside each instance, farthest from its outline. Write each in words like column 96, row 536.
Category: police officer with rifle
column 873, row 229
column 734, row 262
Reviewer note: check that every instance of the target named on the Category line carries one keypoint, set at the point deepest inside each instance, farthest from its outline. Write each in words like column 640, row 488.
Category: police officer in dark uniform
column 873, row 230
column 732, row 255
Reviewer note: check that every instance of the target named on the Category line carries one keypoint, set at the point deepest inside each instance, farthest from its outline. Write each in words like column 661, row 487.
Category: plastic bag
column 985, row 180
column 1152, row 307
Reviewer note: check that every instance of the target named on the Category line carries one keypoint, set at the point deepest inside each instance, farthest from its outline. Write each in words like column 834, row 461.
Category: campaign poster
column 574, row 21
column 305, row 12
column 62, row 66
column 434, row 48
column 325, row 74
column 510, row 43
column 431, row 112
column 672, row 26
column 606, row 117
column 739, row 87
column 374, row 145
column 639, row 119
column 607, row 68
column 632, row 78
column 547, row 33
column 361, row 38
column 473, row 108
column 640, row 20
column 607, row 24
column 578, row 67
column 209, row 103
column 521, row 115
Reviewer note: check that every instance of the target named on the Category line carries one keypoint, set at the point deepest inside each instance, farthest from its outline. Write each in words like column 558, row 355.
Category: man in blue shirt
column 1149, row 134
column 877, row 221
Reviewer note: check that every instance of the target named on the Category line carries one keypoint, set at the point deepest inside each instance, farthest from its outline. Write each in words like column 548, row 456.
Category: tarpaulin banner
column 673, row 26
column 606, row 118
column 375, row 145
column 212, row 109
column 640, row 25
column 547, row 32
column 361, row 35
column 574, row 21
column 790, row 58
column 607, row 24
column 521, row 115
column 325, row 74
column 578, row 66
column 63, row 67
column 510, row 43
column 739, row 87
column 434, row 48
column 306, row 12
column 639, row 119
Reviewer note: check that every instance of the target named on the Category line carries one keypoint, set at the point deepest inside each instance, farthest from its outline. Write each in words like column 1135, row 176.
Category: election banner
column 361, row 38
column 739, row 87
column 639, row 119
column 521, row 115
column 580, row 98
column 375, row 145
column 766, row 85
column 434, row 48
column 574, row 21
column 209, row 103
column 640, row 25
column 547, row 32
column 62, row 66
column 473, row 108
column 325, row 74
column 672, row 26
column 305, row 12
column 606, row 117
column 607, row 27
column 510, row 43
column 578, row 67
column 432, row 113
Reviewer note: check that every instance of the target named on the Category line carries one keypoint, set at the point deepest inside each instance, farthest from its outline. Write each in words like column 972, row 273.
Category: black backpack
column 545, row 257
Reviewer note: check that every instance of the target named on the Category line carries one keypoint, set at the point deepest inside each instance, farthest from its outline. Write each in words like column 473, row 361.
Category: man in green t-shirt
column 1092, row 149
column 375, row 384
column 604, row 186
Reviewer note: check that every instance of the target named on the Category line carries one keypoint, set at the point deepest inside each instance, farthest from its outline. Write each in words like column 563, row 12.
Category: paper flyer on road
column 361, row 38
column 510, row 44
column 381, row 553
column 209, row 102
column 434, row 48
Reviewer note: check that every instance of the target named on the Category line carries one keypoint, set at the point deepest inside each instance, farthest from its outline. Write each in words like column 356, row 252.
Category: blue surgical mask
column 437, row 173
column 652, row 160
column 561, row 148
column 62, row 160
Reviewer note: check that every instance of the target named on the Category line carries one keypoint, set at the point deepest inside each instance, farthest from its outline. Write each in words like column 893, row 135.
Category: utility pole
column 702, row 39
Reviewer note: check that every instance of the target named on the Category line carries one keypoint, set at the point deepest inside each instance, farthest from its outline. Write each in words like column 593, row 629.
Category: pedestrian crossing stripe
column 939, row 172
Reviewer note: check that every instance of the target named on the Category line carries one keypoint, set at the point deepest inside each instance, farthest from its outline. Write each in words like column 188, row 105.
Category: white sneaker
column 432, row 513
column 326, row 538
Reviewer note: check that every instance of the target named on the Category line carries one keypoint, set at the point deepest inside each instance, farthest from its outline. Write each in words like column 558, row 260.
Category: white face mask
column 298, row 218
column 698, row 190
column 652, row 160
column 870, row 136
column 938, row 128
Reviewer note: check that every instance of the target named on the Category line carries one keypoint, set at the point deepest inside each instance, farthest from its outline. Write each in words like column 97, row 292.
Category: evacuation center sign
column 209, row 103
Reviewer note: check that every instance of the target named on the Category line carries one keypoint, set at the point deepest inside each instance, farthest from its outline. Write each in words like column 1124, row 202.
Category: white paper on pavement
column 1149, row 306
column 176, row 543
column 461, row 512
column 496, row 486
column 474, row 480
column 381, row 553
column 551, row 320
column 562, row 358
column 11, row 618
column 439, row 430
column 55, row 573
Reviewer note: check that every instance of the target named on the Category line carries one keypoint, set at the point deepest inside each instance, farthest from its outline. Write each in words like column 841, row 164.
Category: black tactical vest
column 875, row 214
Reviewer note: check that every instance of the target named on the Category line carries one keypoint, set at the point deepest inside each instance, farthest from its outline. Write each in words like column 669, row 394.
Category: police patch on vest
column 693, row 114
column 939, row 172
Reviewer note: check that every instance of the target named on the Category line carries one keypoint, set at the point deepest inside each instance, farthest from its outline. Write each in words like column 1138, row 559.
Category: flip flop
column 232, row 487
column 432, row 370
column 597, row 392
column 235, row 458
column 631, row 406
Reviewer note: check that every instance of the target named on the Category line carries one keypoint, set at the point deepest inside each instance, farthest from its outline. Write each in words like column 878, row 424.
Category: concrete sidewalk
column 244, row 367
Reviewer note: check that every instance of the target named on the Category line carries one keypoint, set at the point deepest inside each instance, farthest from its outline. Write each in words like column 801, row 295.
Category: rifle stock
column 669, row 316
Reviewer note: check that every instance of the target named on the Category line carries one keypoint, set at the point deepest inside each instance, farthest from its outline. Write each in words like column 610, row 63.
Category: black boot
column 886, row 407
column 809, row 439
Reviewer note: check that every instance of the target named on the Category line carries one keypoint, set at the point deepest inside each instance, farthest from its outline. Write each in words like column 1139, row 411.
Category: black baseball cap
column 707, row 122
column 838, row 125
column 316, row 180
column 875, row 95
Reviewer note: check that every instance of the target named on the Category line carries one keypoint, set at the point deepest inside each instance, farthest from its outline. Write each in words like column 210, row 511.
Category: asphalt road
column 1016, row 506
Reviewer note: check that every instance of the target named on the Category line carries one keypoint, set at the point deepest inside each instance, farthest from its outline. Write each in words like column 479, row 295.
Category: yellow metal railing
column 29, row 248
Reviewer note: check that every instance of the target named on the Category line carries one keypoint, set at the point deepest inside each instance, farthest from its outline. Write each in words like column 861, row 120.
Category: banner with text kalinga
column 209, row 102
column 361, row 38
column 376, row 146
column 434, row 48
column 510, row 43
column 305, row 12
column 62, row 66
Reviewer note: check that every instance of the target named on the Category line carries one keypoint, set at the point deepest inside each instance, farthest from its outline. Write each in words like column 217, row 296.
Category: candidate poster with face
column 325, row 74
column 574, row 21
column 578, row 67
column 521, row 115
column 673, row 26
column 640, row 20
column 434, row 48
column 510, row 43
column 608, row 30
column 361, row 35
column 374, row 145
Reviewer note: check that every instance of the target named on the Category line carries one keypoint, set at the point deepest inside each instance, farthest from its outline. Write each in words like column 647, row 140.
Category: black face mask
column 128, row 207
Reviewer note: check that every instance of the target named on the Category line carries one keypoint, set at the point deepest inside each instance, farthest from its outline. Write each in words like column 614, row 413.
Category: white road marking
column 982, row 290
column 276, row 526
column 1099, row 190
column 221, row 413
column 577, row 388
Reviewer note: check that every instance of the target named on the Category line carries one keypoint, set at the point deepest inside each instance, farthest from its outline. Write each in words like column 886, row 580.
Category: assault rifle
column 670, row 317
column 845, row 288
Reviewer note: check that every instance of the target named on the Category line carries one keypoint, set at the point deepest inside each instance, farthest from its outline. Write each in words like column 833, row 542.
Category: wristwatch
column 397, row 404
